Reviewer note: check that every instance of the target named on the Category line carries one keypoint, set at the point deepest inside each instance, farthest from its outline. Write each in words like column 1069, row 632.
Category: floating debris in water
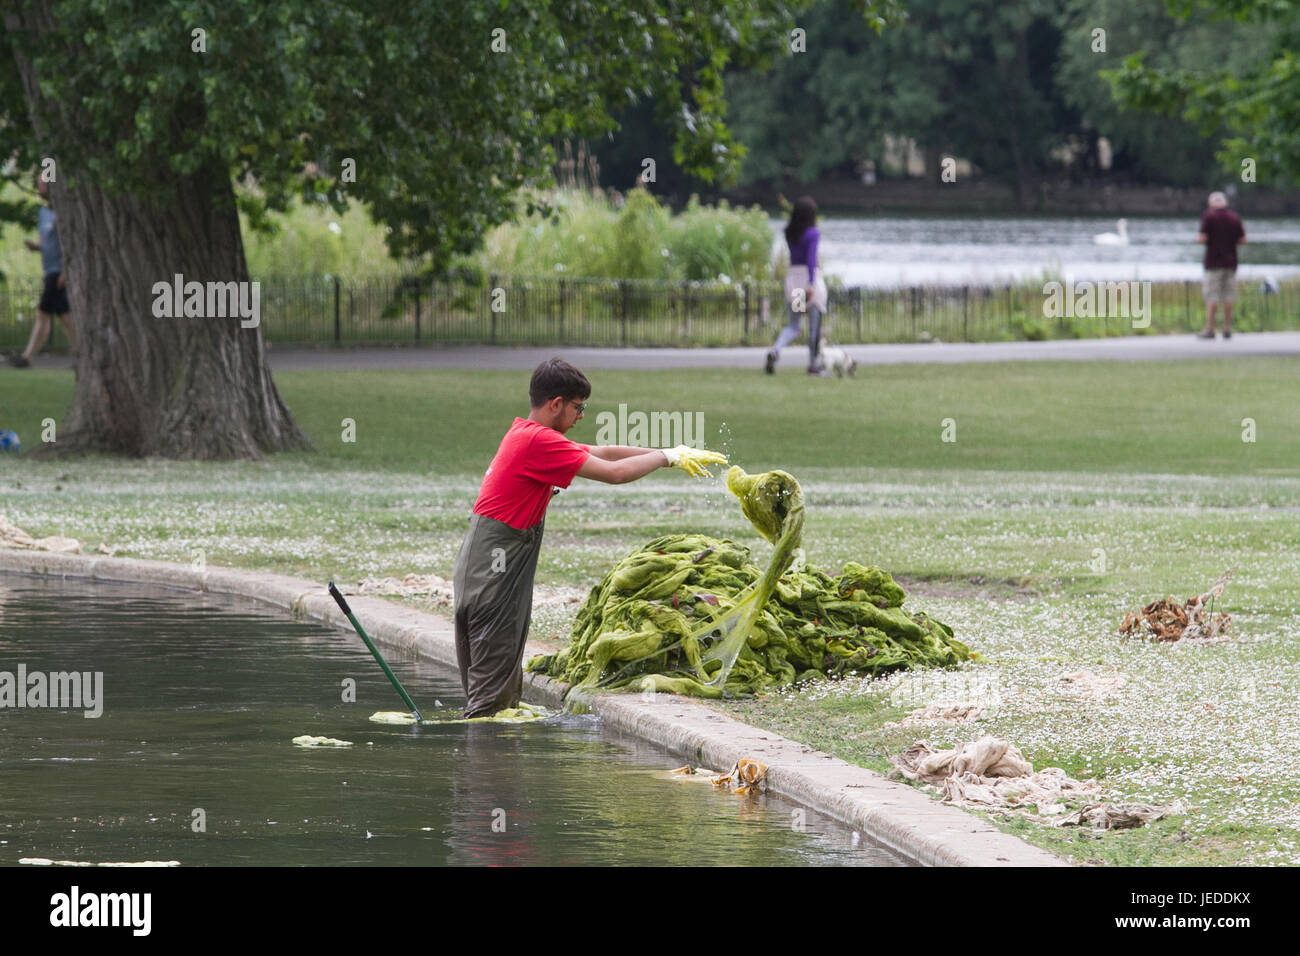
column 393, row 717
column 511, row 715
column 306, row 740
column 41, row 861
column 745, row 777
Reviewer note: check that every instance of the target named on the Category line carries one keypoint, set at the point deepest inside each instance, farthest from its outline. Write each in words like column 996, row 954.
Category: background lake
column 891, row 251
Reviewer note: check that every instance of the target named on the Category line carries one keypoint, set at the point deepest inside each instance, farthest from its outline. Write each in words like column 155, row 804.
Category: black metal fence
column 607, row 312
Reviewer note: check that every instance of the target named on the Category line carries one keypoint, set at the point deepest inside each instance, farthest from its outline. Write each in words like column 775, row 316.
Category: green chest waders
column 493, row 581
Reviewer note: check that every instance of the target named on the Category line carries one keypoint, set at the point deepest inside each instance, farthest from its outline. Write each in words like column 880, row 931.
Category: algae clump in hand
column 773, row 503
column 769, row 501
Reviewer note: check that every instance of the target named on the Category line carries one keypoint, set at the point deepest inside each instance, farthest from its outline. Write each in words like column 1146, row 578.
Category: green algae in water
column 691, row 614
column 511, row 715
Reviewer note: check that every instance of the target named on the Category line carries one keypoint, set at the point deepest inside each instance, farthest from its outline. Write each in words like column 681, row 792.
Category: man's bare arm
column 625, row 469
column 1200, row 237
column 615, row 452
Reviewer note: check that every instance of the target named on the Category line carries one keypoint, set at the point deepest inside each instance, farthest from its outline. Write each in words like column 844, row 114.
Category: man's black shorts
column 54, row 301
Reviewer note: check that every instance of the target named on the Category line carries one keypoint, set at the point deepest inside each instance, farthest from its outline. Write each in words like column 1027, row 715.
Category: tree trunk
column 172, row 387
column 175, row 387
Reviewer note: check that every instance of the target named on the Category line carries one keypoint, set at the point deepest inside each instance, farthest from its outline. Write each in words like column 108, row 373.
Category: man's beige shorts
column 1219, row 285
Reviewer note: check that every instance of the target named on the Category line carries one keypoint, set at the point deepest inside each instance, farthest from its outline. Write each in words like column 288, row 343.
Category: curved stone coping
column 890, row 812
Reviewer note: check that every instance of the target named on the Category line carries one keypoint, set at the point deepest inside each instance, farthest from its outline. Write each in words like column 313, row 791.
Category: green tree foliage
column 444, row 117
column 1006, row 85
column 1256, row 98
column 973, row 77
column 766, row 125
column 153, row 109
column 831, row 105
column 1154, row 147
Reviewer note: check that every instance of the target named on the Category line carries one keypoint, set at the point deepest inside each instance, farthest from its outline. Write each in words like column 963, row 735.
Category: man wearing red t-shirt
column 1222, row 232
column 493, row 578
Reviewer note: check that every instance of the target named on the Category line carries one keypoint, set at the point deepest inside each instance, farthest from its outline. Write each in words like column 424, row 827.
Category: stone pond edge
column 889, row 812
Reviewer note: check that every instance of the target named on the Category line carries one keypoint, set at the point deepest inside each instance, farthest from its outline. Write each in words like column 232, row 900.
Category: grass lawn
column 1073, row 493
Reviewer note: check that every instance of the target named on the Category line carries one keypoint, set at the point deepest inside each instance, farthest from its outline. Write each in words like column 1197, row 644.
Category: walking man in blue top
column 54, row 298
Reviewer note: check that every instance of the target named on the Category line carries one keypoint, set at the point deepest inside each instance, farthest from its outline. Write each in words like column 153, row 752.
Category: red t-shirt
column 1222, row 228
column 531, row 461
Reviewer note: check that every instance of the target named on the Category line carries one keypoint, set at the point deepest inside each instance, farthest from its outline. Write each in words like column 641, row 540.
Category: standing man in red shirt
column 493, row 578
column 1222, row 232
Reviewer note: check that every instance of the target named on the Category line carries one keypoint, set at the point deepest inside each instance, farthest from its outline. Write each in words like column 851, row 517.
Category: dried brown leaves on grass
column 1168, row 620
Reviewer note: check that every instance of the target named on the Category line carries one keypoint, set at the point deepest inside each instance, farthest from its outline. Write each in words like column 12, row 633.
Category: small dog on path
column 835, row 358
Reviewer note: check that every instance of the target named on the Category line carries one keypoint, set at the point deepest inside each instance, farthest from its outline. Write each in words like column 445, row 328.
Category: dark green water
column 202, row 696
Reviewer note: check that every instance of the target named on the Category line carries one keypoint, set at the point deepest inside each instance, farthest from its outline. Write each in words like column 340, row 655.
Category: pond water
column 889, row 251
column 202, row 696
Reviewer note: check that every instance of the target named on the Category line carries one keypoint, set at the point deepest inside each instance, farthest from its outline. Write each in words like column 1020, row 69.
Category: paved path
column 1136, row 348
column 1133, row 348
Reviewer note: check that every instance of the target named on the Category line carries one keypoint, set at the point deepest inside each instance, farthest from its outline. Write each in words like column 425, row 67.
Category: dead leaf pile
column 1168, row 620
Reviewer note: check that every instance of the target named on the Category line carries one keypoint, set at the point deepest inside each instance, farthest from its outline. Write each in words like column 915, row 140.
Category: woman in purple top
column 804, row 282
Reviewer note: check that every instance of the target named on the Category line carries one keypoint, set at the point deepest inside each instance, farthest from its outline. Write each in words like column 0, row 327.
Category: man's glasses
column 582, row 407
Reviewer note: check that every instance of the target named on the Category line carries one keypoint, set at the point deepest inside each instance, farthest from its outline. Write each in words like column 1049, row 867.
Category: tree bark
column 178, row 387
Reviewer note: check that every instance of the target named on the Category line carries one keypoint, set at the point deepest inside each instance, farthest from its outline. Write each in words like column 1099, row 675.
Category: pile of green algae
column 691, row 614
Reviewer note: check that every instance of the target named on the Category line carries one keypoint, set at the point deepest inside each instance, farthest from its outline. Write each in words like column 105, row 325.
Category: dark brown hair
column 557, row 377
column 803, row 215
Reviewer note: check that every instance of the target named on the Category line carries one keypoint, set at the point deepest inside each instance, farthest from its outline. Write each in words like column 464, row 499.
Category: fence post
column 857, row 312
column 560, row 329
column 744, row 333
column 338, row 337
column 913, row 313
column 492, row 285
column 417, row 313
column 622, row 298
column 965, row 313
column 528, row 324
column 686, row 309
column 1187, row 302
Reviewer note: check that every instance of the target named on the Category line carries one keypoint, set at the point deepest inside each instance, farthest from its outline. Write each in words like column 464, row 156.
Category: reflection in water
column 203, row 696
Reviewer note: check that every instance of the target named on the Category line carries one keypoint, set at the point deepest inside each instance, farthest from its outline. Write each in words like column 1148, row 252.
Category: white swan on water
column 1113, row 238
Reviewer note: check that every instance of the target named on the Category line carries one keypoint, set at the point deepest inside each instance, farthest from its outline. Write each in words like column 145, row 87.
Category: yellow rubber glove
column 693, row 461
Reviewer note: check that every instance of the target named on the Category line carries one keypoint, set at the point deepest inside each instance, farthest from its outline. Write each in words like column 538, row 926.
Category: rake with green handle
column 343, row 605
